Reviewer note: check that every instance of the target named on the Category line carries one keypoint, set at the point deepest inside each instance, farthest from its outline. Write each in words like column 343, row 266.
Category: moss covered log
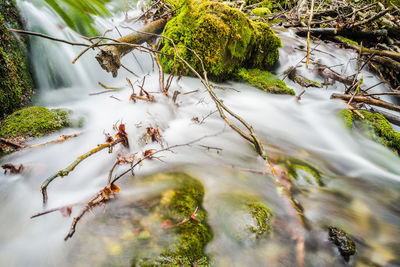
column 33, row 122
column 15, row 78
column 223, row 37
column 375, row 126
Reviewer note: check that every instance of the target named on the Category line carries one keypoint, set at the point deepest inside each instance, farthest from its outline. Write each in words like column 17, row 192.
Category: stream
column 362, row 178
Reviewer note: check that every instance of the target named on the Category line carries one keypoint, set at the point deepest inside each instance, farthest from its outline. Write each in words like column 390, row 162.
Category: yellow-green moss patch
column 347, row 40
column 375, row 126
column 33, row 122
column 265, row 81
column 261, row 11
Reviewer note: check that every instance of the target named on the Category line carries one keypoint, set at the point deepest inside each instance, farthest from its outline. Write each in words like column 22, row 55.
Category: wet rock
column 261, row 216
column 343, row 242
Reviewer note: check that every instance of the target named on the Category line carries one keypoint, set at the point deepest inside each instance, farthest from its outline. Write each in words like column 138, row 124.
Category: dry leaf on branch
column 13, row 169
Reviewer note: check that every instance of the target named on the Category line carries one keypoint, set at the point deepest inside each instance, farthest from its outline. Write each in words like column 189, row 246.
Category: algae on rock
column 262, row 217
column 192, row 233
column 376, row 126
column 265, row 81
column 15, row 78
column 223, row 37
column 33, row 122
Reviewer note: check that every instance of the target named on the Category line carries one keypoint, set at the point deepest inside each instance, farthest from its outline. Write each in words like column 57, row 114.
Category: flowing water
column 361, row 177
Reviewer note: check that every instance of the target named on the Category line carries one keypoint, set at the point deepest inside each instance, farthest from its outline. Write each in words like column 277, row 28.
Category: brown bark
column 109, row 57
column 345, row 32
column 367, row 100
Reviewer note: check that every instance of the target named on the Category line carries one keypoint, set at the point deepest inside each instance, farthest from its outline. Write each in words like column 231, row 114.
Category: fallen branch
column 366, row 51
column 375, row 17
column 100, row 198
column 62, row 138
column 367, row 100
column 71, row 167
column 301, row 80
column 327, row 72
column 10, row 143
column 109, row 57
column 345, row 32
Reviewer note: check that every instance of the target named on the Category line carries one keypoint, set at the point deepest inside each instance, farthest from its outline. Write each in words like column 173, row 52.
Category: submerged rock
column 262, row 219
column 182, row 215
column 343, row 242
column 15, row 78
column 376, row 127
column 34, row 122
column 223, row 37
column 246, row 218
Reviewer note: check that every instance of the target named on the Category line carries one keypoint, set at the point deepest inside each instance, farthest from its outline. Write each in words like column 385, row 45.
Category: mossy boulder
column 376, row 127
column 33, row 122
column 264, row 80
column 15, row 78
column 223, row 37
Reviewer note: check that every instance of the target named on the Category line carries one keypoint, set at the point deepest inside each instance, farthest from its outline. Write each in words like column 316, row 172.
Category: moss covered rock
column 264, row 80
column 180, row 209
column 223, row 37
column 375, row 126
column 261, row 218
column 33, row 122
column 15, row 79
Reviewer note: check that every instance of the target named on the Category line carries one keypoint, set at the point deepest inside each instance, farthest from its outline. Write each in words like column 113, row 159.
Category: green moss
column 248, row 220
column 348, row 41
column 221, row 36
column 261, row 11
column 15, row 79
column 294, row 165
column 176, row 206
column 347, row 117
column 33, row 122
column 264, row 80
column 260, row 3
column 375, row 126
column 262, row 217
